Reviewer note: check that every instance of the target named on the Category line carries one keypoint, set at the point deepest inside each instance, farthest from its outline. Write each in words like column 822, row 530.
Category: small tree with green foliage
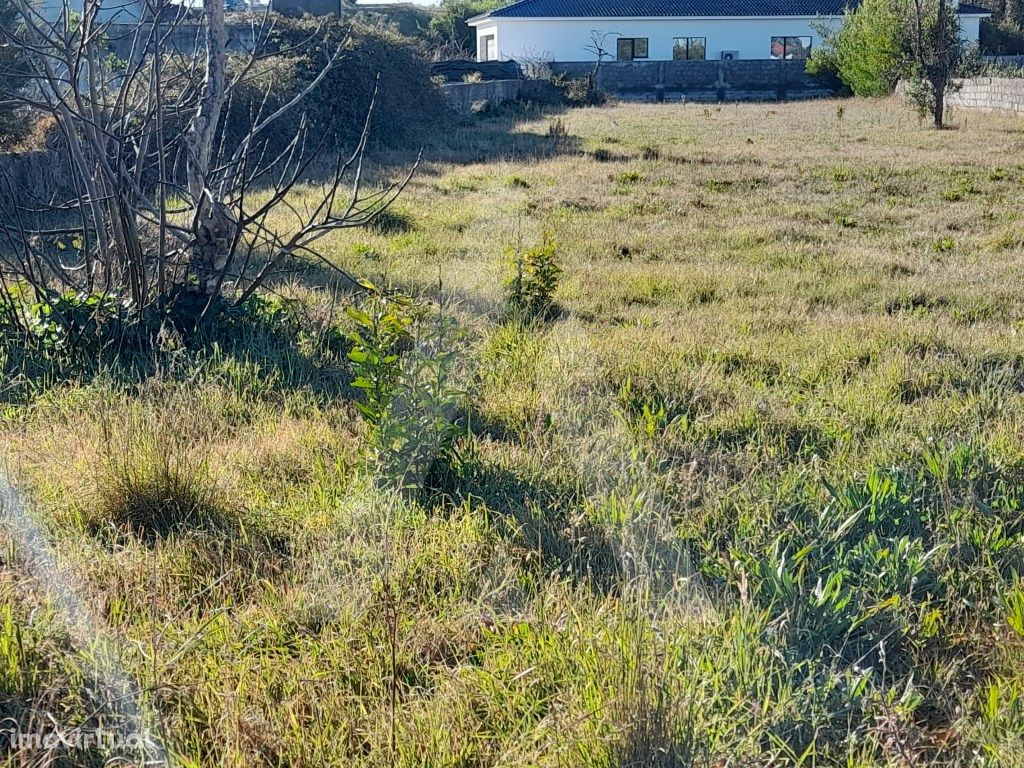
column 884, row 41
column 936, row 53
column 866, row 52
column 451, row 35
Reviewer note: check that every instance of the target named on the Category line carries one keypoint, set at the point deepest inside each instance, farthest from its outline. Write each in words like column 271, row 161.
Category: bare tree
column 597, row 46
column 165, row 211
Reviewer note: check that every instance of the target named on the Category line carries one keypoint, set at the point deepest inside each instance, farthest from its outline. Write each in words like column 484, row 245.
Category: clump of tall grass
column 152, row 480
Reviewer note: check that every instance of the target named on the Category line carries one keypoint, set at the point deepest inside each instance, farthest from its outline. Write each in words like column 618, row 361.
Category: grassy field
column 752, row 496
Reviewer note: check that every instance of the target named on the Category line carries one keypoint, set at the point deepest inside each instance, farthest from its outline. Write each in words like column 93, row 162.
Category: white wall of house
column 567, row 39
column 970, row 28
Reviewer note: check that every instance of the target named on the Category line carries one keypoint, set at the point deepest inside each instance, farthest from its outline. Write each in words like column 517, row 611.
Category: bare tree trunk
column 940, row 78
column 204, row 125
column 215, row 226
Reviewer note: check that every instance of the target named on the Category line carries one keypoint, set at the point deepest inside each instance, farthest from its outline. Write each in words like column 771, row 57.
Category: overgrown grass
column 754, row 495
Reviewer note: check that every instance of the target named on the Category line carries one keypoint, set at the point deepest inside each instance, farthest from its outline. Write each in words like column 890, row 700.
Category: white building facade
column 571, row 30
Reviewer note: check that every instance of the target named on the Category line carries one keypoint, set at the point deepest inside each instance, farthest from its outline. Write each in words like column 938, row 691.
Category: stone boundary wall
column 463, row 97
column 991, row 94
column 703, row 80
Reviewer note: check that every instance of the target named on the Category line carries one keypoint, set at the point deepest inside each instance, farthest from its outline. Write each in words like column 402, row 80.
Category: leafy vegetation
column 867, row 50
column 755, row 495
column 533, row 280
column 883, row 41
column 448, row 31
column 377, row 58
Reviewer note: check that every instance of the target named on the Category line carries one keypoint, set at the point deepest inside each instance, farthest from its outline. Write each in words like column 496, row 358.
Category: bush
column 534, row 280
column 867, row 51
column 1001, row 38
column 408, row 102
column 448, row 31
column 581, row 92
column 405, row 362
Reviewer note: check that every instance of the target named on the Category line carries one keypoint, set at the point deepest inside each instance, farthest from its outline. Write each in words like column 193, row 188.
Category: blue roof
column 591, row 9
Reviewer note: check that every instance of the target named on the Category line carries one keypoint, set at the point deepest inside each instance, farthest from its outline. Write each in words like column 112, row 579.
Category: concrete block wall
column 991, row 94
column 722, row 80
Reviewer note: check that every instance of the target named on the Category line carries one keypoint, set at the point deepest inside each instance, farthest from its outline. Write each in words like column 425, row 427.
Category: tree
column 866, row 51
column 13, row 76
column 936, row 51
column 598, row 46
column 885, row 41
column 165, row 212
column 1014, row 13
column 452, row 36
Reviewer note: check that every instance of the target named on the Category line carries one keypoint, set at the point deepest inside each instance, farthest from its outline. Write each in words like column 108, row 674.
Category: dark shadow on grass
column 534, row 513
column 272, row 343
column 495, row 135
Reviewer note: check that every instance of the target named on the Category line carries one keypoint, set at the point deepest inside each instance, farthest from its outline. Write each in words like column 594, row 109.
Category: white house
column 663, row 30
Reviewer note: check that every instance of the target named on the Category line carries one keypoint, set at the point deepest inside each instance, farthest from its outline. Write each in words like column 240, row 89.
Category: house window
column 629, row 48
column 791, row 48
column 689, row 48
column 488, row 50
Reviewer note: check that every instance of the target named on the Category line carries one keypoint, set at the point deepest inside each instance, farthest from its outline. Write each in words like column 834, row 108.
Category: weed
column 557, row 129
column 382, row 331
column 534, row 278
column 628, row 178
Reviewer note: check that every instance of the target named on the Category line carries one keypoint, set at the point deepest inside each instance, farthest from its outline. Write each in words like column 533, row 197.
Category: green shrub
column 866, row 52
column 1001, row 38
column 535, row 274
column 382, row 330
column 405, row 362
column 448, row 32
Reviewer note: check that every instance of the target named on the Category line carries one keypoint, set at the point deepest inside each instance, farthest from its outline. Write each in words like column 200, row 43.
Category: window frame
column 486, row 41
column 632, row 47
column 689, row 42
column 786, row 48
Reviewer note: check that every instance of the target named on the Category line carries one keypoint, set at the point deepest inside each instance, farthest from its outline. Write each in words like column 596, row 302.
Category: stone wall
column 991, row 94
column 463, row 97
column 703, row 80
